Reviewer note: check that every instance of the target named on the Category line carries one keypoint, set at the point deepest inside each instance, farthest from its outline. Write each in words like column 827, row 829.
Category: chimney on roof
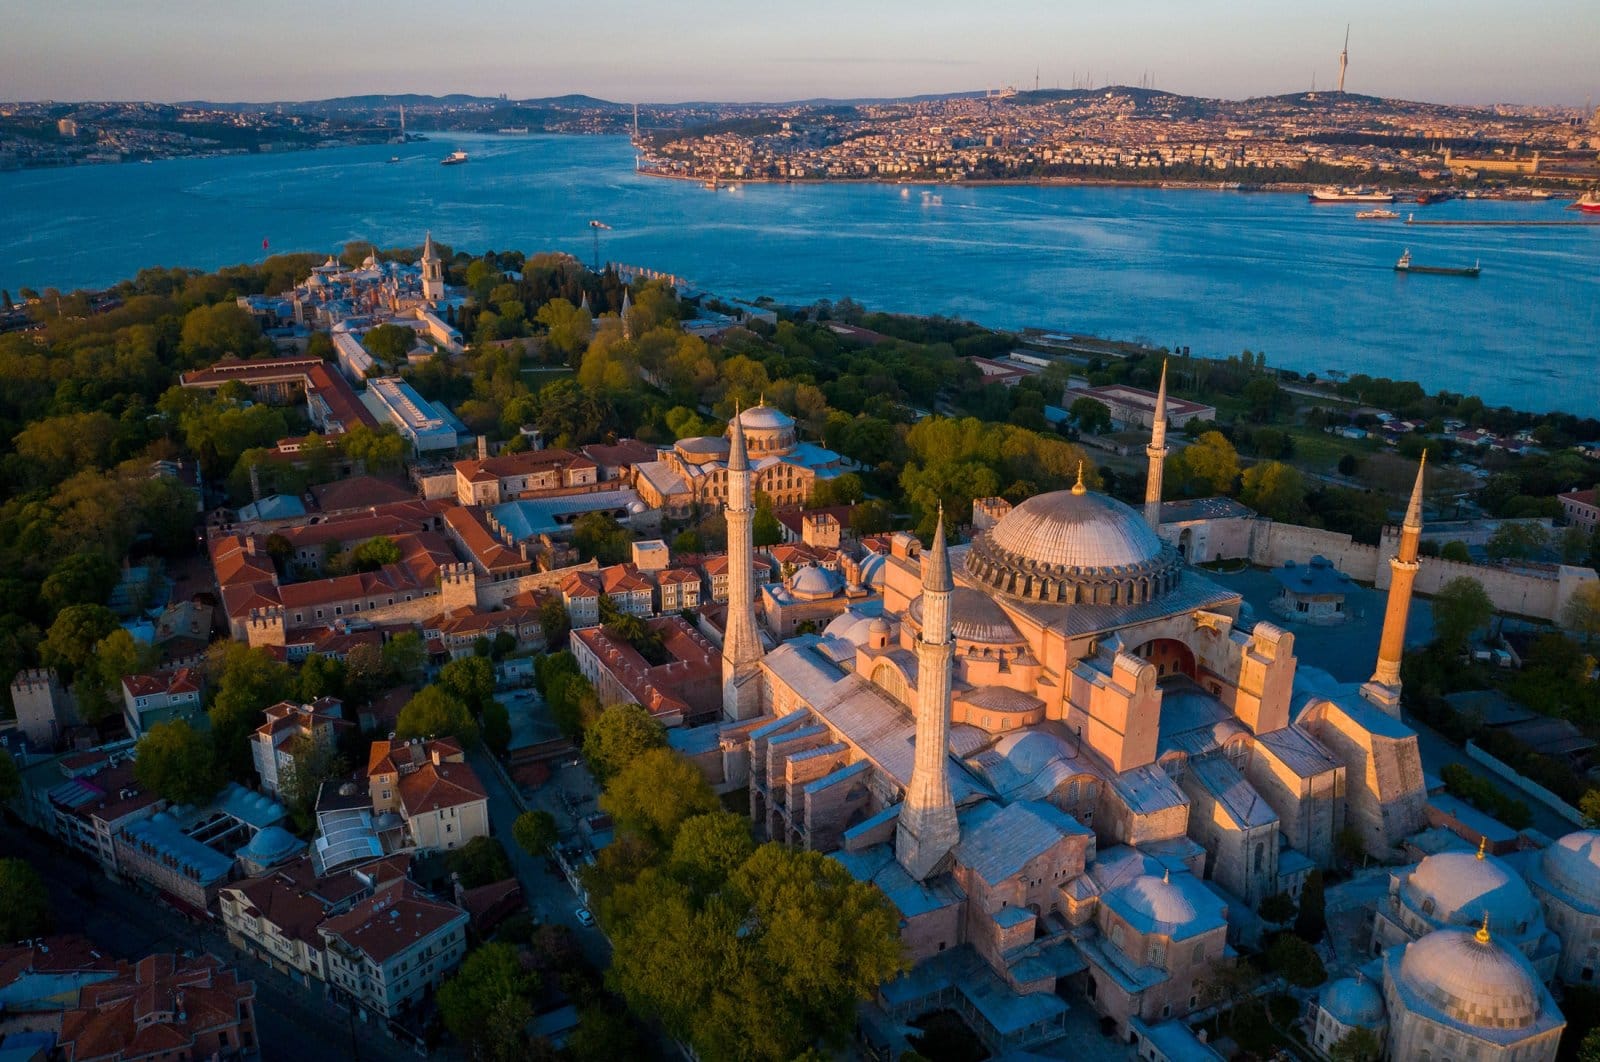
column 483, row 448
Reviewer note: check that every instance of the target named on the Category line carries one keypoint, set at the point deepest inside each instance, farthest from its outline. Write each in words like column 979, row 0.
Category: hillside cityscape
column 412, row 648
column 1116, row 133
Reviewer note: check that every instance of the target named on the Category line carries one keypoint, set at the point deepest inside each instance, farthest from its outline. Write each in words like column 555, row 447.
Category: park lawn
column 1318, row 451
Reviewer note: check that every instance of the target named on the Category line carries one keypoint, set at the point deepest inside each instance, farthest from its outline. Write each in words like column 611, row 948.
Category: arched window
column 1427, row 906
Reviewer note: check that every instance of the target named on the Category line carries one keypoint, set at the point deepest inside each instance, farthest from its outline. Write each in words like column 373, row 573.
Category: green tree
column 247, row 681
column 403, row 657
column 470, row 679
column 481, row 861
column 554, row 622
column 24, row 901
column 70, row 642
column 373, row 554
column 1296, row 960
column 1363, row 1045
column 390, row 343
column 435, row 712
column 709, row 848
column 319, row 676
column 487, row 1003
column 1581, row 614
column 99, row 685
column 621, row 735
column 1312, row 921
column 1209, row 464
column 535, row 831
column 765, row 528
column 1279, row 907
column 655, row 793
column 310, row 765
column 495, row 727
column 177, row 763
column 380, row 450
column 79, row 579
column 1091, row 416
column 1275, row 489
column 1456, row 551
column 605, row 1033
column 1517, row 541
column 10, row 779
column 1460, row 608
column 1589, row 804
column 599, row 536
column 567, row 329
column 210, row 332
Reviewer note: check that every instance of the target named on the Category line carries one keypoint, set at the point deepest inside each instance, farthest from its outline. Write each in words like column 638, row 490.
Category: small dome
column 1353, row 1002
column 812, row 583
column 765, row 418
column 1463, row 886
column 1573, row 865
column 1472, row 979
column 1159, row 900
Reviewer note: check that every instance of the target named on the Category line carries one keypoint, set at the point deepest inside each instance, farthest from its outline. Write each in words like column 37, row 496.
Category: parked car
column 585, row 918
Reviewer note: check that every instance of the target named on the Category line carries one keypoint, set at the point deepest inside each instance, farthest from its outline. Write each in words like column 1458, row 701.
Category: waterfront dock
column 1504, row 224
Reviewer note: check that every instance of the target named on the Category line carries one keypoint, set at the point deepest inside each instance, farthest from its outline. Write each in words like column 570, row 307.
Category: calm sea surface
column 1219, row 271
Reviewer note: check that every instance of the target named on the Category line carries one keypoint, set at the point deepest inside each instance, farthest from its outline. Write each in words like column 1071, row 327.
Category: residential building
column 1581, row 508
column 160, row 697
column 491, row 480
column 682, row 686
column 292, row 729
column 390, row 949
column 164, row 1006
column 429, row 784
column 423, row 424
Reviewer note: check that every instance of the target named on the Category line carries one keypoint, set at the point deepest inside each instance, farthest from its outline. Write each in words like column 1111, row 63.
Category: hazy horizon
column 1476, row 53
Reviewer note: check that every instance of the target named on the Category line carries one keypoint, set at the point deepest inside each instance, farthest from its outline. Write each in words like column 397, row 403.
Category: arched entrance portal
column 1170, row 657
column 1185, row 541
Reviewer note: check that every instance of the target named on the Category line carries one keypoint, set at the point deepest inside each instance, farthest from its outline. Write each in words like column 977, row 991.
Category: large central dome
column 1075, row 547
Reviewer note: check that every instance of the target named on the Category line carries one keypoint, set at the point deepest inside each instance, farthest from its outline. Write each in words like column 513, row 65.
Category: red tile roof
column 163, row 1004
column 391, row 922
column 521, row 464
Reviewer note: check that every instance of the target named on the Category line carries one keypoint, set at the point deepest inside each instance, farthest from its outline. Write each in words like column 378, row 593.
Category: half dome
column 974, row 617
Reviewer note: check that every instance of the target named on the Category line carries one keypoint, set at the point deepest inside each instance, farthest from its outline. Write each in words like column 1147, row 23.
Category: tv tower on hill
column 1344, row 58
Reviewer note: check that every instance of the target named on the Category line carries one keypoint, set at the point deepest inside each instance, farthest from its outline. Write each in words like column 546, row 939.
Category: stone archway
column 1185, row 542
column 1169, row 656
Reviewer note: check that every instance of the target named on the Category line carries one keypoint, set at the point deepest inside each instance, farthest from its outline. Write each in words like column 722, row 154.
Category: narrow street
column 549, row 896
column 293, row 1022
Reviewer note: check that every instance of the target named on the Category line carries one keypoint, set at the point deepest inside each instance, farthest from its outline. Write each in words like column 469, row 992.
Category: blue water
column 1218, row 271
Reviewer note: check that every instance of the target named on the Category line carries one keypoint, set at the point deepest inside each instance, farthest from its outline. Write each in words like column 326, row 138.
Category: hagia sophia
column 1076, row 765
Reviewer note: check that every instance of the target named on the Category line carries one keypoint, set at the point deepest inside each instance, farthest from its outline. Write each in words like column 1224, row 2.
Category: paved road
column 293, row 1022
column 549, row 896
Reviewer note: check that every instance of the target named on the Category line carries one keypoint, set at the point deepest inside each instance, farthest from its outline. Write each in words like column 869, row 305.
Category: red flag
column 263, row 245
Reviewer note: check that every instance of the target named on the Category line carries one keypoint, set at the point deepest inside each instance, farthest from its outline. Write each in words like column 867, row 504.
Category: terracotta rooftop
column 392, row 921
column 472, row 529
column 440, row 785
column 521, row 464
column 358, row 492
column 178, row 681
column 157, row 1007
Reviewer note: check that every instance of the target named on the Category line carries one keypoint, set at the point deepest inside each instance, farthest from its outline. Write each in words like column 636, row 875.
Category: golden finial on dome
column 1078, row 487
column 1483, row 842
column 1482, row 934
column 1166, row 875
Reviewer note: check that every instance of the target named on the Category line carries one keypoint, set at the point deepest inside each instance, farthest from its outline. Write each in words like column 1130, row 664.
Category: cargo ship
column 1349, row 195
column 1405, row 266
column 1588, row 202
column 455, row 158
column 1377, row 215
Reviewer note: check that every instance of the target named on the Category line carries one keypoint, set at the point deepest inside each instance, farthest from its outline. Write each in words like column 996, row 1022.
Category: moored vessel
column 1588, row 202
column 1350, row 195
column 455, row 158
column 1379, row 214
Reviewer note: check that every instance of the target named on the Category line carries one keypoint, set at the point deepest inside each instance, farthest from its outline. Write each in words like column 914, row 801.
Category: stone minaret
column 741, row 643
column 928, row 827
column 1157, row 452
column 432, row 272
column 1383, row 689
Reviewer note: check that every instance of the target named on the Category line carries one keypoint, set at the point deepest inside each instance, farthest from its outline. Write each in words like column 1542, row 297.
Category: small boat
column 1405, row 265
column 394, row 158
column 1379, row 214
column 455, row 158
column 1588, row 202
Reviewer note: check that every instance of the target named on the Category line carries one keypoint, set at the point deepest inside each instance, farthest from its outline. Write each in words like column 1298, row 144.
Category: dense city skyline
column 705, row 49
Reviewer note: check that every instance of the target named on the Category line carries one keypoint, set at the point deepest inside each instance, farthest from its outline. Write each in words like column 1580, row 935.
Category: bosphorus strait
column 1218, row 271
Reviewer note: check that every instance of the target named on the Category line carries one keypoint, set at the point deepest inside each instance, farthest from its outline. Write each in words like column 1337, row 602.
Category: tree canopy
column 436, row 712
column 24, row 901
column 1460, row 608
column 176, row 762
column 487, row 1002
column 621, row 735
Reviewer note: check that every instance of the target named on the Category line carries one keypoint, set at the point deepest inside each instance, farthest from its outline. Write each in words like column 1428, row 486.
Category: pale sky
column 1467, row 51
